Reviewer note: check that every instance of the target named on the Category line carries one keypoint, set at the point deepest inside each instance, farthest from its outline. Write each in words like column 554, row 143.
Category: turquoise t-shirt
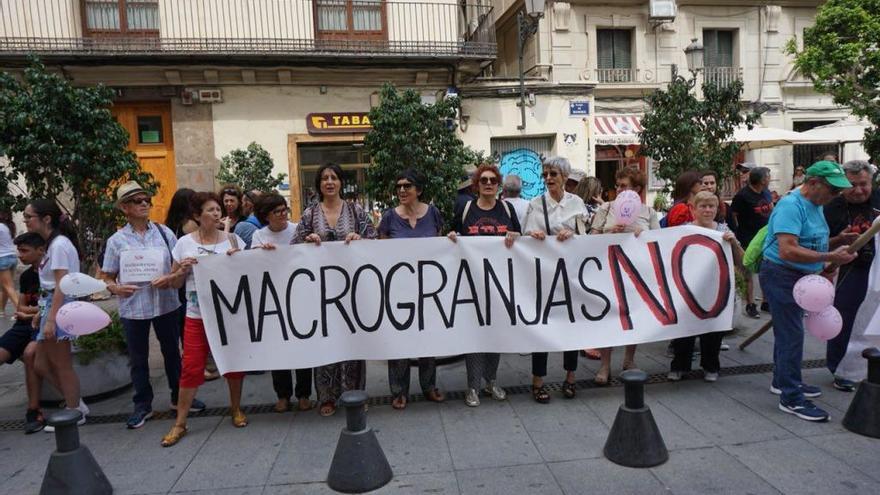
column 796, row 215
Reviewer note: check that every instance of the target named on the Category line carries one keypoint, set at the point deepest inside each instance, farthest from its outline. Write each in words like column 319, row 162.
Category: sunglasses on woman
column 549, row 173
column 403, row 186
column 488, row 181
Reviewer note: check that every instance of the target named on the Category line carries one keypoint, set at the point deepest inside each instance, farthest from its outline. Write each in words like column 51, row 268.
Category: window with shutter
column 718, row 48
column 605, row 48
column 614, row 55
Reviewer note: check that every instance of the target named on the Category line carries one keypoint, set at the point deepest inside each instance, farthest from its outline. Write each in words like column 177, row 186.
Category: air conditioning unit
column 210, row 96
column 662, row 10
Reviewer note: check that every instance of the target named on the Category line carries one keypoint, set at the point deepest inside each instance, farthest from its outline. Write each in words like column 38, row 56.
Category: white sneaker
column 673, row 376
column 51, row 429
column 710, row 376
column 472, row 398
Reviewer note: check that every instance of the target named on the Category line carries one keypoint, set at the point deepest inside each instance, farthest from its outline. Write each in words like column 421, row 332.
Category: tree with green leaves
column 682, row 132
column 62, row 143
column 841, row 55
column 410, row 134
column 249, row 169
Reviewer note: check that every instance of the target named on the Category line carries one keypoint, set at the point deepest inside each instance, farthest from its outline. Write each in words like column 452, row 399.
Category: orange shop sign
column 338, row 123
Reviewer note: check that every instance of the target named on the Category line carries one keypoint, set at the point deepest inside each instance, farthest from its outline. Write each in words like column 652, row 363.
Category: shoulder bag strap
column 464, row 213
column 546, row 218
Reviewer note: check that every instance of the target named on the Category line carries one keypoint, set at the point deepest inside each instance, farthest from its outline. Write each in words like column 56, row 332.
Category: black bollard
column 634, row 439
column 72, row 469
column 359, row 464
column 863, row 415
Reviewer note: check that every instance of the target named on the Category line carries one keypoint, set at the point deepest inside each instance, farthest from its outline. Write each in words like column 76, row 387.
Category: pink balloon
column 626, row 207
column 813, row 293
column 824, row 325
column 81, row 318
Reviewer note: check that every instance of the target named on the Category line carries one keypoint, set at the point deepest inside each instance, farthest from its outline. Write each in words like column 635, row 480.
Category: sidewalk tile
column 413, row 439
column 532, row 478
column 25, row 458
column 563, row 430
column 603, row 476
column 254, row 490
column 709, row 470
column 487, row 436
column 858, row 451
column 722, row 419
column 237, row 457
column 677, row 433
column 440, row 483
column 307, row 451
column 794, row 466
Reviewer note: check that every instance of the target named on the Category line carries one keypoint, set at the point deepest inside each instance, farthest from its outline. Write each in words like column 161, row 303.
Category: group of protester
column 204, row 223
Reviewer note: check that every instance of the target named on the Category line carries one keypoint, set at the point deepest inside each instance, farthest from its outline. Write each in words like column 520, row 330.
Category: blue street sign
column 578, row 108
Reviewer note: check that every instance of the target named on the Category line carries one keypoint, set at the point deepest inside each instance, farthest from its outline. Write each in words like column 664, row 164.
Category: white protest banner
column 303, row 306
column 141, row 265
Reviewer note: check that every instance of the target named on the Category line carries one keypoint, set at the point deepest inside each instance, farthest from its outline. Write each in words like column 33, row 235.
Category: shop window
column 114, row 17
column 804, row 155
column 350, row 20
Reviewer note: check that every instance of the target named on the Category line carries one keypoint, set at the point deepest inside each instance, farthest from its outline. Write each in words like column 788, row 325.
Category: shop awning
column 616, row 129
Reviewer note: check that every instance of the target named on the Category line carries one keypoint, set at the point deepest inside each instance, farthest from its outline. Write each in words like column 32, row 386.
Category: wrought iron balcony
column 272, row 28
column 722, row 76
column 617, row 76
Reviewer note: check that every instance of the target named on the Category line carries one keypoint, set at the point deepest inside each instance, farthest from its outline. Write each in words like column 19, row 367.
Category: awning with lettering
column 616, row 129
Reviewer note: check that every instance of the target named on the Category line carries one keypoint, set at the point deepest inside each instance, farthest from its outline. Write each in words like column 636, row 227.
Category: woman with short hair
column 411, row 218
column 333, row 219
column 561, row 214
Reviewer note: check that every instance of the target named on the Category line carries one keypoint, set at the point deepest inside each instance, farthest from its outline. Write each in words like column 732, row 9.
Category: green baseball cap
column 829, row 171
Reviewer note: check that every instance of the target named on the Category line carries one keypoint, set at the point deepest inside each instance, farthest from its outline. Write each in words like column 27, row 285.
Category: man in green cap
column 797, row 245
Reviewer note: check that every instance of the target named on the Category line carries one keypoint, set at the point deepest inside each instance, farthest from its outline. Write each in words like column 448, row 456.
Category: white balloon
column 626, row 207
column 79, row 284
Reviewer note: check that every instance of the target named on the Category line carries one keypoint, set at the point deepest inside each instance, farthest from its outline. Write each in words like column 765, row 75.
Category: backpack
column 755, row 251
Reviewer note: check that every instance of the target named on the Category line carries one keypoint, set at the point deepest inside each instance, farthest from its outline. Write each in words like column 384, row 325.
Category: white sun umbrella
column 768, row 137
column 842, row 131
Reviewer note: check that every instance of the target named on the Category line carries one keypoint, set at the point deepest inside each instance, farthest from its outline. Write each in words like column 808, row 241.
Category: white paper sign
column 141, row 265
column 305, row 305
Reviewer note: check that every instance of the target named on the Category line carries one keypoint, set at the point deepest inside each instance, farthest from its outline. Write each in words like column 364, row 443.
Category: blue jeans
column 137, row 336
column 777, row 282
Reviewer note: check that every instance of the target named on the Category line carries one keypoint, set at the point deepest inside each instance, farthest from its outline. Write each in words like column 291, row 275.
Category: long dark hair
column 60, row 223
column 336, row 170
column 6, row 218
column 230, row 190
column 685, row 183
column 178, row 211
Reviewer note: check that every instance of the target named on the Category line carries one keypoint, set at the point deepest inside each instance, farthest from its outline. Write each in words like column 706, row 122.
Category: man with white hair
column 848, row 216
column 511, row 189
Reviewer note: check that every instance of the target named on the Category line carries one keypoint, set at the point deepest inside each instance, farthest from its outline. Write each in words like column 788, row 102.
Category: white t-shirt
column 7, row 247
column 267, row 236
column 520, row 206
column 187, row 247
column 61, row 255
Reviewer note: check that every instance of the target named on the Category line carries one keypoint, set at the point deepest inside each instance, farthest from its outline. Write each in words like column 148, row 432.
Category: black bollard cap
column 871, row 353
column 633, row 376
column 353, row 398
column 64, row 417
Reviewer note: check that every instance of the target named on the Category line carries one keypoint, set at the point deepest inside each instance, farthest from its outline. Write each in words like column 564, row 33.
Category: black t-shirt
column 752, row 212
column 841, row 215
column 500, row 220
column 29, row 287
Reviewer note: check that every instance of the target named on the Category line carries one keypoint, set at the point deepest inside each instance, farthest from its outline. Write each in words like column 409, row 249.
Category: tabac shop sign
column 338, row 123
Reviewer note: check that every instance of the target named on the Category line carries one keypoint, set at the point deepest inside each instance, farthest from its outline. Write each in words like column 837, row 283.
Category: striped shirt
column 146, row 303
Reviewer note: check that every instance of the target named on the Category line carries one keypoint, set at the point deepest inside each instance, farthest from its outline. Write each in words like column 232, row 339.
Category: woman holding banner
column 561, row 214
column 604, row 222
column 207, row 240
column 334, row 219
column 485, row 216
column 411, row 218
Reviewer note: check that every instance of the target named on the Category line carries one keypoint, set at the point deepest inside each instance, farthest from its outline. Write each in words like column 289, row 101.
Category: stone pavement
column 726, row 437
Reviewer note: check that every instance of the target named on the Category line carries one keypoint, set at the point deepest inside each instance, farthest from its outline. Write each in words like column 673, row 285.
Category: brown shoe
column 305, row 404
column 282, row 406
column 435, row 395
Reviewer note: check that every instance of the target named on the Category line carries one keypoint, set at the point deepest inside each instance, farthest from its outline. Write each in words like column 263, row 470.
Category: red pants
column 195, row 355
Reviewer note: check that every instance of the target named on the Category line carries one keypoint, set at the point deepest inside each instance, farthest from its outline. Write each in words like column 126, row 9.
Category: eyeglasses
column 488, row 181
column 406, row 186
column 549, row 173
column 280, row 211
column 139, row 201
column 833, row 189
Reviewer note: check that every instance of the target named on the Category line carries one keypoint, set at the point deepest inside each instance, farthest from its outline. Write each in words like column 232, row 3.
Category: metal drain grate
column 385, row 400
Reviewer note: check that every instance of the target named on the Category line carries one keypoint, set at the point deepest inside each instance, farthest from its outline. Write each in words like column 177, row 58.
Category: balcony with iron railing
column 617, row 76
column 436, row 29
column 721, row 76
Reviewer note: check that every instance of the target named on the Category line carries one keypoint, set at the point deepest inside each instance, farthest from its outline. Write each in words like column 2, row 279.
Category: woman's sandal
column 239, row 420
column 568, row 390
column 601, row 378
column 435, row 395
column 327, row 409
column 540, row 394
column 399, row 403
column 177, row 432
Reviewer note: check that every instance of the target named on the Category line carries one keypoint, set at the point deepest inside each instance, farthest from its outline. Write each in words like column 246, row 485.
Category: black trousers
column 539, row 362
column 710, row 349
column 282, row 382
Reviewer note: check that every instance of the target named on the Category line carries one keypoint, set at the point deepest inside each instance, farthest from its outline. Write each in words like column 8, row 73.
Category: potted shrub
column 101, row 362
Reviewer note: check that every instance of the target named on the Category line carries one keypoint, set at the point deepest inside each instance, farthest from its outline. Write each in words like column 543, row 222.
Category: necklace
column 203, row 242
